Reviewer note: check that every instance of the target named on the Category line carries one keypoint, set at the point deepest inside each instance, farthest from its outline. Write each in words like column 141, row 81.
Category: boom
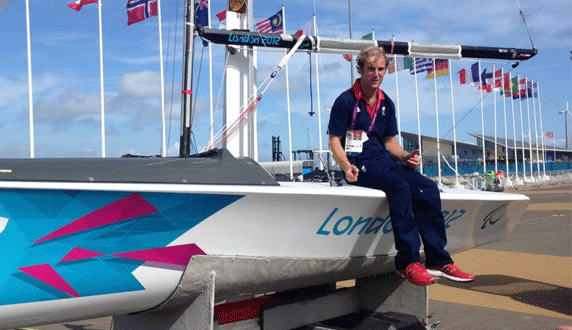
column 353, row 46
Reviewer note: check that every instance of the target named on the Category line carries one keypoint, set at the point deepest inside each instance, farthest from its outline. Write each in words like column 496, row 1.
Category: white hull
column 271, row 238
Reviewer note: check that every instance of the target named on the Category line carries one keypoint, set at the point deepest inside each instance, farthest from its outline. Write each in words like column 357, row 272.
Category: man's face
column 372, row 72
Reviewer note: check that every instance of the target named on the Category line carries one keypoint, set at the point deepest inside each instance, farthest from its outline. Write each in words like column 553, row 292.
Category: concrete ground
column 522, row 283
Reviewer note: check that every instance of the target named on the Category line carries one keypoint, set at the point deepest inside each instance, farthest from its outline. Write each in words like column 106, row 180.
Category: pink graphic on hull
column 174, row 255
column 48, row 275
column 127, row 208
column 79, row 254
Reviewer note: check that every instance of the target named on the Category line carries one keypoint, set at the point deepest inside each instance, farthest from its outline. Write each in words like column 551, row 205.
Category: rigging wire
column 525, row 25
column 196, row 95
column 173, row 75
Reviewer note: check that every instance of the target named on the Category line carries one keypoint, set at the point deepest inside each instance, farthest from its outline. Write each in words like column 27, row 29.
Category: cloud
column 12, row 89
column 135, row 60
column 144, row 84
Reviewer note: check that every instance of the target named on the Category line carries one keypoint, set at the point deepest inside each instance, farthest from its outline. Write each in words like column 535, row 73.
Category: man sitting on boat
column 362, row 131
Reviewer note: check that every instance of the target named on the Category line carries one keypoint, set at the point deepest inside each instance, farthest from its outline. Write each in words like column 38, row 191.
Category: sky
column 66, row 83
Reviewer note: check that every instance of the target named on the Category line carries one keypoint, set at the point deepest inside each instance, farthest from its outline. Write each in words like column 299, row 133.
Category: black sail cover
column 217, row 167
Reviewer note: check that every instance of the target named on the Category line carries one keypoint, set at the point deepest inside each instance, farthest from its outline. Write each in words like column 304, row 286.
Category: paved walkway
column 522, row 283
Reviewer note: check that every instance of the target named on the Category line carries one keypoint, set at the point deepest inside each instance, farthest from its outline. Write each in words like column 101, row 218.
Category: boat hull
column 83, row 250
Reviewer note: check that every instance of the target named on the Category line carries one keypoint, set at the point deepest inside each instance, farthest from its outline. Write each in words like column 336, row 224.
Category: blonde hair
column 369, row 52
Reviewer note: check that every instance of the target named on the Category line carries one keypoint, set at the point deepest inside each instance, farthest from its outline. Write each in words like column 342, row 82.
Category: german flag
column 441, row 69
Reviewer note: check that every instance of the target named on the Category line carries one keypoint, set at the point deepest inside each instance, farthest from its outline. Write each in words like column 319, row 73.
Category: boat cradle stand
column 383, row 301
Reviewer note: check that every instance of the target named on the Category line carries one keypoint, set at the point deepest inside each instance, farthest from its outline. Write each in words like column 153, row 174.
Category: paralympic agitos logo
column 494, row 216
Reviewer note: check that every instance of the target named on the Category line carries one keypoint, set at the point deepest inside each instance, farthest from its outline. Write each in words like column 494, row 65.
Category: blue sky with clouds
column 65, row 64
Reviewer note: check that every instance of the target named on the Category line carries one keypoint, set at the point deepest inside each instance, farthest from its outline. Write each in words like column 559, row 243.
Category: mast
column 185, row 141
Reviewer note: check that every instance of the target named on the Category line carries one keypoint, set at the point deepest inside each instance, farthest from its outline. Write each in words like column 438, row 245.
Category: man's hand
column 352, row 173
column 413, row 159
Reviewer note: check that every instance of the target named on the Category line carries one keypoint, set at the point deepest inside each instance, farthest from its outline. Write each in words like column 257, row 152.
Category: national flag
column 221, row 15
column 401, row 63
column 507, row 86
column 441, row 69
column 514, row 84
column 306, row 29
column 498, row 79
column 522, row 88
column 422, row 64
column 273, row 24
column 464, row 76
column 348, row 57
column 486, row 79
column 549, row 135
column 529, row 88
column 76, row 5
column 202, row 13
column 368, row 36
column 470, row 75
column 139, row 10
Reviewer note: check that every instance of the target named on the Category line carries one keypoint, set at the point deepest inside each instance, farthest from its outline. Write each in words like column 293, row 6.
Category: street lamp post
column 565, row 112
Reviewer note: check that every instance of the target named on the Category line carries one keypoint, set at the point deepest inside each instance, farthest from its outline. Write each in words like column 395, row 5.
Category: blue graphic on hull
column 33, row 214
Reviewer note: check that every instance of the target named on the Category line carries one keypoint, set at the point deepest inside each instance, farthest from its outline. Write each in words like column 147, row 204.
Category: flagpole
column 253, row 88
column 495, row 116
column 529, row 132
column 507, row 179
column 437, row 120
column 315, row 23
column 210, row 79
column 521, row 130
column 351, row 35
column 101, row 81
column 538, row 174
column 541, row 132
column 288, row 104
column 554, row 145
column 163, row 134
column 516, row 180
column 418, row 116
column 396, row 93
column 30, row 89
column 482, row 120
column 457, row 185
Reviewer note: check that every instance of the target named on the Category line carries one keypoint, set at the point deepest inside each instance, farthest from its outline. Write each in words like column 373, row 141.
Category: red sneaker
column 417, row 274
column 451, row 272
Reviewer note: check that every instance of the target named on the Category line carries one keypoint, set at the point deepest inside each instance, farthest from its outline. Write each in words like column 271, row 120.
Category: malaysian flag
column 139, row 10
column 422, row 64
column 273, row 24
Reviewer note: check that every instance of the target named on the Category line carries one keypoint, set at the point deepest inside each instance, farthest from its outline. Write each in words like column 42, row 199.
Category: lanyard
column 354, row 115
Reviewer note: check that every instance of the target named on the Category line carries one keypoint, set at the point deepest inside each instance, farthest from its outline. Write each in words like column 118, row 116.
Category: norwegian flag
column 76, row 5
column 139, row 10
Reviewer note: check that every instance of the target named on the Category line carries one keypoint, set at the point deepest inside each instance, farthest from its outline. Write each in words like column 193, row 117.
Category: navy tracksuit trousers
column 414, row 208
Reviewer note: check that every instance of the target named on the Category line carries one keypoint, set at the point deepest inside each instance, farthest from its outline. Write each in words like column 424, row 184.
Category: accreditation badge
column 354, row 142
